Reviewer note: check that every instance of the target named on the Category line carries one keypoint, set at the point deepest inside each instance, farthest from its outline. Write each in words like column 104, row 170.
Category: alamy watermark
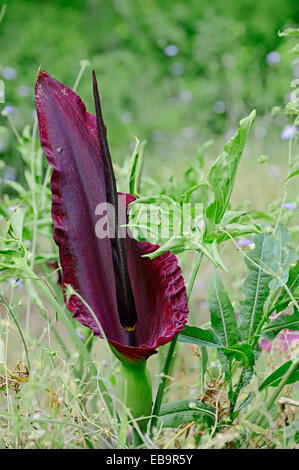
column 153, row 221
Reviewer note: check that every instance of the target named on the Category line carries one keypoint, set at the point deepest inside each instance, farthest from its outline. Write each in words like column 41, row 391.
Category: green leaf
column 241, row 353
column 292, row 174
column 135, row 167
column 17, row 223
column 293, row 285
column 223, row 317
column 290, row 322
column 284, row 256
column 204, row 358
column 195, row 335
column 293, row 167
column 223, row 172
column 179, row 244
column 289, row 32
column 274, row 379
column 174, row 414
column 256, row 286
column 175, row 244
column 212, row 253
column 225, row 232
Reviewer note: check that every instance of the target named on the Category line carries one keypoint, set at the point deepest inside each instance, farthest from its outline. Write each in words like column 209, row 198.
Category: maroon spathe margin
column 68, row 135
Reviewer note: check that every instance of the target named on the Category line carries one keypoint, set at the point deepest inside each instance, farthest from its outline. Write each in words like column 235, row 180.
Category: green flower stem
column 135, row 391
column 171, row 350
column 161, row 388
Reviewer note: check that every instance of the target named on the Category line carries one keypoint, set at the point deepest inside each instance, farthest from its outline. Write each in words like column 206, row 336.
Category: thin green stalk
column 161, row 388
column 35, row 214
column 84, row 64
column 76, row 340
column 233, row 402
column 171, row 350
column 278, row 390
column 18, row 327
column 14, row 129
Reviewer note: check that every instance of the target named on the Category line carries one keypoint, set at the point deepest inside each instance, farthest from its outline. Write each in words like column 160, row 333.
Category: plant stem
column 161, row 389
column 135, row 393
column 171, row 350
column 236, row 394
column 136, row 439
column 278, row 390
column 18, row 327
column 76, row 340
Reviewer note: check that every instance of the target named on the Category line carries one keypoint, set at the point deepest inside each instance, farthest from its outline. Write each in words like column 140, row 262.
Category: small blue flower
column 7, row 110
column 273, row 58
column 289, row 132
column 243, row 242
column 171, row 50
column 247, row 245
column 15, row 283
column 9, row 73
column 78, row 334
column 289, row 205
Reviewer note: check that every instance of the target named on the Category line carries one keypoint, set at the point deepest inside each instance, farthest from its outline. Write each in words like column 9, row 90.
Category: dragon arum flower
column 140, row 303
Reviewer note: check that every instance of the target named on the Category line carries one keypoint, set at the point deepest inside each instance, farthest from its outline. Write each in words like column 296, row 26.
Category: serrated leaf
column 256, row 286
column 293, row 285
column 284, row 256
column 223, row 317
column 291, row 322
column 174, row 414
column 222, row 174
column 235, row 230
column 195, row 335
column 274, row 379
column 179, row 244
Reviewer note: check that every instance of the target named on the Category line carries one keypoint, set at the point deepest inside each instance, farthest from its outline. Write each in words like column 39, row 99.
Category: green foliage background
column 167, row 100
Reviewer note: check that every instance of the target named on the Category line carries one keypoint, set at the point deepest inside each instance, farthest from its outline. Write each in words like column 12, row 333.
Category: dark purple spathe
column 68, row 135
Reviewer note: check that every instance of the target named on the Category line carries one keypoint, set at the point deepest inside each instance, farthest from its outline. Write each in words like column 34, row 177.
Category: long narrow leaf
column 222, row 174
column 274, row 379
column 195, row 335
column 223, row 317
column 256, row 286
column 174, row 414
column 290, row 322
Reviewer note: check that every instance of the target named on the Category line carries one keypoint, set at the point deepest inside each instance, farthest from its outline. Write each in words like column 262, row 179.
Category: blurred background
column 175, row 73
